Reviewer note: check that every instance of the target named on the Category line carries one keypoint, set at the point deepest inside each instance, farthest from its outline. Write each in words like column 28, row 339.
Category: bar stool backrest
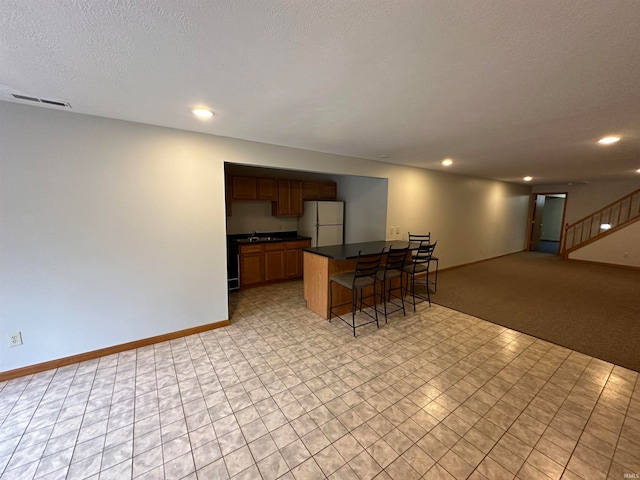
column 367, row 265
column 424, row 253
column 420, row 237
column 396, row 258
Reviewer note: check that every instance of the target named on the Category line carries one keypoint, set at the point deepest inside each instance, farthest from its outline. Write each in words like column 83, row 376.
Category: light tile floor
column 282, row 393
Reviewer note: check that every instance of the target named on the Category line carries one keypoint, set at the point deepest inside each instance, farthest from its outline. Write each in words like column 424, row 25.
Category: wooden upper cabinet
column 289, row 201
column 267, row 189
column 328, row 191
column 311, row 190
column 295, row 198
column 286, row 195
column 244, row 188
column 319, row 190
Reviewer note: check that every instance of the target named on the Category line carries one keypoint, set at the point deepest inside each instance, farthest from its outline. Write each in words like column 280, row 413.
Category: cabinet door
column 251, row 267
column 289, row 202
column 329, row 191
column 267, row 189
column 283, row 204
column 295, row 198
column 294, row 258
column 311, row 191
column 244, row 188
column 274, row 265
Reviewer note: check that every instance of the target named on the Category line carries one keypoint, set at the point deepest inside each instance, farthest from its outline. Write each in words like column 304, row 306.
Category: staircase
column 601, row 223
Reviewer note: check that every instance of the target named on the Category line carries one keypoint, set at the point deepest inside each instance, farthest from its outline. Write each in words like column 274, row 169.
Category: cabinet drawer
column 250, row 248
column 272, row 247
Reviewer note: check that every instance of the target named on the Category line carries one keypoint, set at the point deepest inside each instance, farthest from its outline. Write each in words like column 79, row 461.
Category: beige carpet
column 590, row 308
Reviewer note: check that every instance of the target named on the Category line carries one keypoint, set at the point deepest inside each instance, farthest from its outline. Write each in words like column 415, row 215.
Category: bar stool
column 420, row 265
column 393, row 268
column 363, row 276
column 414, row 237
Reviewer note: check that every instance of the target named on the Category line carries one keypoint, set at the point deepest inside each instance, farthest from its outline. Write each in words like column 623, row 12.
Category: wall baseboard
column 83, row 357
column 478, row 261
column 593, row 262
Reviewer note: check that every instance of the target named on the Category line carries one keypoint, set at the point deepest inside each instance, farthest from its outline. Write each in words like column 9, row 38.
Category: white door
column 330, row 213
column 329, row 235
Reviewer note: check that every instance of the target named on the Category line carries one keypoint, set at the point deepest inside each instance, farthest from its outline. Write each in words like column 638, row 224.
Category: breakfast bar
column 320, row 263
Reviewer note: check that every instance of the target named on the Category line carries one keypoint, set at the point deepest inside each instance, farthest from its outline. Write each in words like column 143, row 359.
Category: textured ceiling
column 504, row 88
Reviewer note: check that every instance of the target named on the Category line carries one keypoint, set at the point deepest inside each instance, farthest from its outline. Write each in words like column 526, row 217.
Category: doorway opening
column 547, row 219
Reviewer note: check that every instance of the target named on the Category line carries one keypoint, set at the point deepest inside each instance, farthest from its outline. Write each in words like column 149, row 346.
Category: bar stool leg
column 354, row 302
column 435, row 285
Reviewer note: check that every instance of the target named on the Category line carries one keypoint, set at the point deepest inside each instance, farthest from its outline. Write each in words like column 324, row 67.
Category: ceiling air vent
column 57, row 103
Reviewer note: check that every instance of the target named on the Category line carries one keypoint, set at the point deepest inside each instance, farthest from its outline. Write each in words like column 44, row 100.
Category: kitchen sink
column 262, row 239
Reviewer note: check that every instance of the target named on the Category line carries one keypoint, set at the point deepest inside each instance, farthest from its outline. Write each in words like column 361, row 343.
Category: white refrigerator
column 323, row 222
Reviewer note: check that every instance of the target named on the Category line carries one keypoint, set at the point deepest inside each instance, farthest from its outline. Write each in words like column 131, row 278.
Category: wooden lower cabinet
column 271, row 262
column 251, row 265
column 293, row 263
column 274, row 261
column 294, row 257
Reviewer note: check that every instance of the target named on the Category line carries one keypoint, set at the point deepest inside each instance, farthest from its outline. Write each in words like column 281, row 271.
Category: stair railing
column 602, row 222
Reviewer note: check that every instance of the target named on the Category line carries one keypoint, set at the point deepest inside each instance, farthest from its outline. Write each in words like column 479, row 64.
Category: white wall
column 110, row 232
column 114, row 231
column 619, row 248
column 585, row 198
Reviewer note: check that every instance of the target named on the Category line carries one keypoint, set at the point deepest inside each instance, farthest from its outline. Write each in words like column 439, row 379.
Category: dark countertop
column 267, row 237
column 272, row 240
column 350, row 250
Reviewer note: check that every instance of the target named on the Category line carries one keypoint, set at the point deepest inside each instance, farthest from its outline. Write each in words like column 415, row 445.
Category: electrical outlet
column 15, row 339
column 390, row 230
column 397, row 229
column 625, row 254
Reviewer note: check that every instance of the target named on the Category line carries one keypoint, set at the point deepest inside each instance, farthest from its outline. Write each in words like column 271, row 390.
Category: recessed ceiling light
column 638, row 170
column 608, row 140
column 447, row 161
column 527, row 178
column 202, row 112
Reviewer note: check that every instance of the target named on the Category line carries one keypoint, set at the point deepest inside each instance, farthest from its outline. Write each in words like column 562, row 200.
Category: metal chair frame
column 363, row 276
column 393, row 268
column 414, row 237
column 420, row 265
